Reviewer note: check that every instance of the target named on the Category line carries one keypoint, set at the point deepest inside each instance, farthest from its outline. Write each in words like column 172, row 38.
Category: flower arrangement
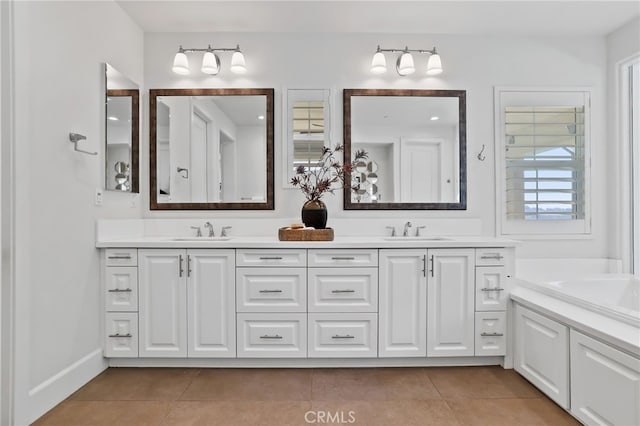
column 315, row 181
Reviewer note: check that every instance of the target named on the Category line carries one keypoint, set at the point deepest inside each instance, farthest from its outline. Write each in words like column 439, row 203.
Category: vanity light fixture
column 210, row 61
column 404, row 63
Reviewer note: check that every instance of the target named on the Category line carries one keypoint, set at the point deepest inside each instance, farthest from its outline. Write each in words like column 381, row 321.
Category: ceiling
column 514, row 17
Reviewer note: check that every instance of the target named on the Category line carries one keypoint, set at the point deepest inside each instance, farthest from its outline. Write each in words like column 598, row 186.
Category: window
column 542, row 146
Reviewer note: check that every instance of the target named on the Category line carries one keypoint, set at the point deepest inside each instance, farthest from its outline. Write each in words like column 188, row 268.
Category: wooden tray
column 285, row 234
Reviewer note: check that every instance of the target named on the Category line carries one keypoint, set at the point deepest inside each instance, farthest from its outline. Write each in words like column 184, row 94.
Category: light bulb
column 181, row 64
column 238, row 65
column 210, row 63
column 405, row 64
column 434, row 65
column 378, row 63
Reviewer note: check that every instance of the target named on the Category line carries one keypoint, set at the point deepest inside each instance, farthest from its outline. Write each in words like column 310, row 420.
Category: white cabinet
column 121, row 284
column 541, row 353
column 343, row 258
column 121, row 334
column 186, row 303
column 271, row 289
column 451, row 303
column 402, row 319
column 343, row 290
column 272, row 335
column 490, row 288
column 605, row 383
column 343, row 335
column 490, row 333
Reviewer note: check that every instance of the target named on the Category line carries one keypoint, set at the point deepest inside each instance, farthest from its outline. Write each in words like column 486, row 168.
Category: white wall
column 622, row 45
column 60, row 48
column 473, row 63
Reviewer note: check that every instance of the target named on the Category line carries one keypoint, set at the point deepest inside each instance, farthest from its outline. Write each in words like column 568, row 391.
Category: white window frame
column 539, row 229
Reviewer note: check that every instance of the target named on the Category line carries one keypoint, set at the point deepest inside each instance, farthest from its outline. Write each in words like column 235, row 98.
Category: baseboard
column 54, row 390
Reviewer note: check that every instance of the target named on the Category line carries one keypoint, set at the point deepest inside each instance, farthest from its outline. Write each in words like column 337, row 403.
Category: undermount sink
column 417, row 239
column 200, row 239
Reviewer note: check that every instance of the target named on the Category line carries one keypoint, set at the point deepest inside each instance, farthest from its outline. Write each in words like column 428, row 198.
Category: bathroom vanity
column 352, row 301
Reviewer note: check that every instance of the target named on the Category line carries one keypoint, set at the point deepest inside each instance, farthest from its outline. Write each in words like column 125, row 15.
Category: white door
column 198, row 171
column 420, row 172
column 541, row 353
column 605, row 383
column 451, row 302
column 402, row 303
column 210, row 303
column 162, row 302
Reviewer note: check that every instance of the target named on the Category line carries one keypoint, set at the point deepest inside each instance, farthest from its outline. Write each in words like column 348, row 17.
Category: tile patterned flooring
column 488, row 396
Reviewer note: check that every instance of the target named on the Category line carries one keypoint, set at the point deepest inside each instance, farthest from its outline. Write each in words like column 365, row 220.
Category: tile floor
column 364, row 396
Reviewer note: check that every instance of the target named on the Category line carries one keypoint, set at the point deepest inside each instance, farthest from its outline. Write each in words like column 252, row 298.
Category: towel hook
column 481, row 155
column 74, row 138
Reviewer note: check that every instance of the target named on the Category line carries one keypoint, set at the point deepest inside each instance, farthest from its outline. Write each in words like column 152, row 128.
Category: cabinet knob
column 491, row 334
column 346, row 336
column 120, row 335
column 120, row 290
column 266, row 336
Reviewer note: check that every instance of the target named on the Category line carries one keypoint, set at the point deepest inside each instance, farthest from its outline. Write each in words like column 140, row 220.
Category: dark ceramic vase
column 314, row 214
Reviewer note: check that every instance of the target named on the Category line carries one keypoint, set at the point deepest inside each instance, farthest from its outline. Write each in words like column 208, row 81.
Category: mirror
column 122, row 131
column 211, row 149
column 416, row 145
column 308, row 127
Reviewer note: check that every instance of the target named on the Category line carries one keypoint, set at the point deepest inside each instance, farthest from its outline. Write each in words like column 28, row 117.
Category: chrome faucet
column 405, row 233
column 198, row 231
column 210, row 227
column 418, row 230
column 223, row 233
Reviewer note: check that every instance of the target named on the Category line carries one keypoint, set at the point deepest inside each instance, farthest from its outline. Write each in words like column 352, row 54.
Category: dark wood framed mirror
column 211, row 149
column 416, row 145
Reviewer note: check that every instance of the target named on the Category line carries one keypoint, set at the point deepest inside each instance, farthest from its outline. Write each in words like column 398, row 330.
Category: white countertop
column 273, row 242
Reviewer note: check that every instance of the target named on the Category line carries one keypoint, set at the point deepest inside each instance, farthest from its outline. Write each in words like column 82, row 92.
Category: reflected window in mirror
column 211, row 149
column 416, row 141
column 122, row 131
column 308, row 128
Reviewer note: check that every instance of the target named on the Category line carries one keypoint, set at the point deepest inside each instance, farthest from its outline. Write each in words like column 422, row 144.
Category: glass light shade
column 181, row 64
column 378, row 63
column 237, row 63
column 210, row 63
column 434, row 65
column 405, row 64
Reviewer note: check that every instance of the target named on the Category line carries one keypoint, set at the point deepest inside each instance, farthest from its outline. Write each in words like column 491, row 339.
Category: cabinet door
column 162, row 281
column 451, row 304
column 210, row 303
column 541, row 354
column 402, row 304
column 343, row 289
column 121, row 283
column 121, row 334
column 605, row 383
column 491, row 288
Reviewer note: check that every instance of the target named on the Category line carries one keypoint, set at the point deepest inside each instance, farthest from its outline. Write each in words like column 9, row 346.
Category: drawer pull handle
column 270, row 291
column 266, row 336
column 491, row 334
column 492, row 289
column 121, row 256
column 347, row 336
column 271, row 258
column 493, row 256
column 120, row 290
column 120, row 335
column 343, row 258
column 343, row 291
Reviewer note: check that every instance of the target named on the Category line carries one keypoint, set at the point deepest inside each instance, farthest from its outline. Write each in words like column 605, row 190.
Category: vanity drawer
column 343, row 257
column 271, row 290
column 491, row 288
column 121, row 257
column 272, row 335
column 490, row 333
column 343, row 290
column 121, row 335
column 271, row 257
column 491, row 256
column 121, row 285
column 343, row 335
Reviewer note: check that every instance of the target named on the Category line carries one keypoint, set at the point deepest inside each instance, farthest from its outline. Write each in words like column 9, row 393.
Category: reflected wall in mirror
column 308, row 127
column 122, row 131
column 416, row 141
column 211, row 149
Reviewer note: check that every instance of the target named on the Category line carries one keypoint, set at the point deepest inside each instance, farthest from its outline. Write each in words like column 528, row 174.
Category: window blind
column 545, row 162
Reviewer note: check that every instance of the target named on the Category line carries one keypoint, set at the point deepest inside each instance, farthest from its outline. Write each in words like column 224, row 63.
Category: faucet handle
column 223, row 233
column 393, row 230
column 418, row 230
column 209, row 226
column 198, row 231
